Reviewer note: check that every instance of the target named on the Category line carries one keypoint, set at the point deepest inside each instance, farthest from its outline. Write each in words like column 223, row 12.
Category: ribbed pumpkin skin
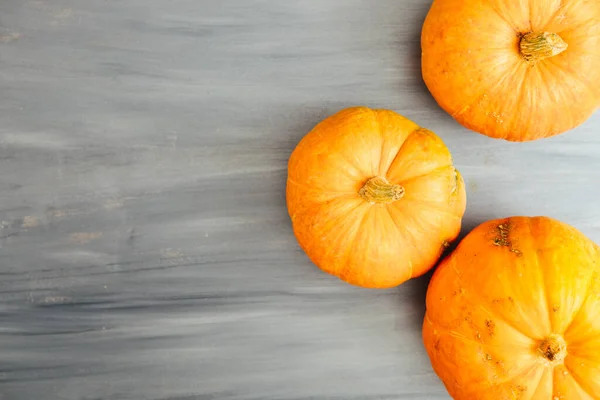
column 373, row 245
column 473, row 65
column 514, row 313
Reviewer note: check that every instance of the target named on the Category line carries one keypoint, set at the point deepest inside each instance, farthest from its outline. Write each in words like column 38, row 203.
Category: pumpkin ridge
column 537, row 387
column 510, row 73
column 576, row 355
column 399, row 151
column 508, row 21
column 464, row 338
column 345, row 228
column 578, row 381
column 337, row 222
column 390, row 143
column 575, row 28
column 343, row 273
column 564, row 8
column 588, row 293
column 352, row 163
column 555, row 371
column 329, row 203
column 521, row 93
column 411, row 239
column 304, row 186
column 522, row 372
column 437, row 169
column 556, row 73
column 530, row 97
column 433, row 206
column 504, row 381
column 552, row 18
column 380, row 130
column 566, row 69
column 455, row 334
column 579, row 348
column 478, row 299
column 544, row 285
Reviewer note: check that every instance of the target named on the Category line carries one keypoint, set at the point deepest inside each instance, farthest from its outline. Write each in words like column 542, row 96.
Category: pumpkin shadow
column 413, row 60
column 413, row 293
column 410, row 63
column 414, row 301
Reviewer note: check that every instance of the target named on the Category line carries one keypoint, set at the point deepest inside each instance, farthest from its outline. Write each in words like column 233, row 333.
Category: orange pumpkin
column 514, row 69
column 514, row 313
column 373, row 198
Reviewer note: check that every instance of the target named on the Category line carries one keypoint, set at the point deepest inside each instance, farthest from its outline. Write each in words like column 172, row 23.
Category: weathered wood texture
column 145, row 248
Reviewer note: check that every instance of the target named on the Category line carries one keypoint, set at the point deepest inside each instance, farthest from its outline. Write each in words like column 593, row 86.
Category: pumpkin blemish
column 502, row 238
column 518, row 391
column 502, row 235
column 491, row 326
column 455, row 183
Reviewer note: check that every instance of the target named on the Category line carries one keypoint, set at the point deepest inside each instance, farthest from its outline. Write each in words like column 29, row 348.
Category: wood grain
column 145, row 248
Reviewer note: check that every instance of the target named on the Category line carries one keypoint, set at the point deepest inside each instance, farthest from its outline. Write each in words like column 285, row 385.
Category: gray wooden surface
column 145, row 248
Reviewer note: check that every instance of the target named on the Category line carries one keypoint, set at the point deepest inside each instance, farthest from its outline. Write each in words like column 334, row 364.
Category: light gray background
column 145, row 248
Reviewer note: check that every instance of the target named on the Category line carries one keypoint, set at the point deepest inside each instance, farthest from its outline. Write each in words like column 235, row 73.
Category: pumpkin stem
column 553, row 348
column 379, row 190
column 536, row 46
